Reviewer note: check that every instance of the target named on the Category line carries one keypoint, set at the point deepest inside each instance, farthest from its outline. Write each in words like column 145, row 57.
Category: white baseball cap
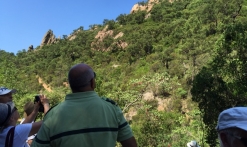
column 235, row 117
column 192, row 144
column 4, row 90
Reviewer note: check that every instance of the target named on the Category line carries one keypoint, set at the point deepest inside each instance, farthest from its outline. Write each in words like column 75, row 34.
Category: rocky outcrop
column 96, row 45
column 120, row 44
column 163, row 104
column 49, row 38
column 66, row 84
column 142, row 7
column 102, row 34
column 73, row 35
column 120, row 34
column 30, row 48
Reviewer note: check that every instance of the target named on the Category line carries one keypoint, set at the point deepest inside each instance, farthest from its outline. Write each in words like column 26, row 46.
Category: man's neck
column 86, row 89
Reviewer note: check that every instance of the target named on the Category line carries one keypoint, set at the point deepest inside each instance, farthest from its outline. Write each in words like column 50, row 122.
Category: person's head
column 6, row 94
column 81, row 78
column 232, row 127
column 28, row 108
column 9, row 115
column 192, row 144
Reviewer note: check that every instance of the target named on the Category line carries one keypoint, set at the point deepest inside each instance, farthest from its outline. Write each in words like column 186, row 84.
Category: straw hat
column 28, row 108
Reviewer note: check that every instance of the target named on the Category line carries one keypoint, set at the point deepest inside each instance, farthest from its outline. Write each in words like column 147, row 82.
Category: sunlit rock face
column 49, row 38
column 146, row 7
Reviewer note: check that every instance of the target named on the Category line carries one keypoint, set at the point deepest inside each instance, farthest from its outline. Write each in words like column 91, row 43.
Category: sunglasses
column 242, row 139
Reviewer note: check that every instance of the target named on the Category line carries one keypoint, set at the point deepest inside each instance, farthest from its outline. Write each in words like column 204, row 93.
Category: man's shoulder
column 109, row 100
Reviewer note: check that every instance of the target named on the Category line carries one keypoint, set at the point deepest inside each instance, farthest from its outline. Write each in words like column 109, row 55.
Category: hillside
column 150, row 62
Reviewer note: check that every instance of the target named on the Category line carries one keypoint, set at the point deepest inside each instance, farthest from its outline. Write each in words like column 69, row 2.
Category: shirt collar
column 80, row 95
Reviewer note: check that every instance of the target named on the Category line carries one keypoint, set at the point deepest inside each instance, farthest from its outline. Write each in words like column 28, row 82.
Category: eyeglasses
column 242, row 139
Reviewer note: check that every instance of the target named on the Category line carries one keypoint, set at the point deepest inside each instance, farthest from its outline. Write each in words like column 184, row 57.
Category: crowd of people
column 12, row 135
column 85, row 119
column 82, row 119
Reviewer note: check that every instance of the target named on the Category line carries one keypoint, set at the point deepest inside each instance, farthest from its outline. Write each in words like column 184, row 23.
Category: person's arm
column 131, row 142
column 30, row 118
column 35, row 128
column 125, row 135
column 42, row 138
column 45, row 102
column 46, row 107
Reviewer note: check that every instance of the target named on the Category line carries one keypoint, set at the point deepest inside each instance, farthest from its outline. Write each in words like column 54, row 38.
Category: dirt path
column 47, row 87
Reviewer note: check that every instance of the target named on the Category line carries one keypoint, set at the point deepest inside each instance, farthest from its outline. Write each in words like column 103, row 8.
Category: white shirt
column 32, row 136
column 21, row 134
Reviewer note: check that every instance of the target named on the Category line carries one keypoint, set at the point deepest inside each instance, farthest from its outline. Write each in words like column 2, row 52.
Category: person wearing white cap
column 6, row 94
column 232, row 127
column 10, row 134
column 192, row 144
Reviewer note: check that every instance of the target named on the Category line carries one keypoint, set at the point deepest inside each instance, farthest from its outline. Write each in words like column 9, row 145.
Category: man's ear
column 224, row 139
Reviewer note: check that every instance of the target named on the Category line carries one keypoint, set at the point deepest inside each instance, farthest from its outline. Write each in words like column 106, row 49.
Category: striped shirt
column 83, row 119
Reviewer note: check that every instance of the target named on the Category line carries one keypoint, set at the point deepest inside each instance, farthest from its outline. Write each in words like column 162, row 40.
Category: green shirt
column 83, row 119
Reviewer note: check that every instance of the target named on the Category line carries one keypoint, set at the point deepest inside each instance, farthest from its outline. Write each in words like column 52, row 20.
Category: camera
column 37, row 99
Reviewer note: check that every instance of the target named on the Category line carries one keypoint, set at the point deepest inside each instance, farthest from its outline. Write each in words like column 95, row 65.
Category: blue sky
column 24, row 23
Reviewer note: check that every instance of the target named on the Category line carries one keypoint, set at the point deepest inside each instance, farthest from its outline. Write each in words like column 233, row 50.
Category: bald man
column 84, row 119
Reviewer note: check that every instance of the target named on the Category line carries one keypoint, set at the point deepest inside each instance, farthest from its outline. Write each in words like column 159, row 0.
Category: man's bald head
column 80, row 76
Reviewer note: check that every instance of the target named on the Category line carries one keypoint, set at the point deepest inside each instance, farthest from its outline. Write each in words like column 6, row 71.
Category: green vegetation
column 190, row 55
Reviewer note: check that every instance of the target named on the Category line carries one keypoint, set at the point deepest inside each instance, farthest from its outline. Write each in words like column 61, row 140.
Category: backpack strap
column 10, row 137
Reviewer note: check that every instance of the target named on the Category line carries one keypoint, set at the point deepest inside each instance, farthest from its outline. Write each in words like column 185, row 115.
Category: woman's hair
column 28, row 108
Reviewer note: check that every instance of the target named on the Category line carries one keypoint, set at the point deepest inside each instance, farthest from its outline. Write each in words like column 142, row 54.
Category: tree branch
column 130, row 104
